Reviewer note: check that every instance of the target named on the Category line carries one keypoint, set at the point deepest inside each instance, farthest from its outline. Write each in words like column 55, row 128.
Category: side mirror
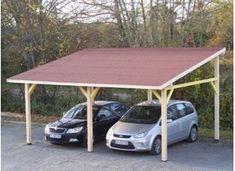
column 169, row 120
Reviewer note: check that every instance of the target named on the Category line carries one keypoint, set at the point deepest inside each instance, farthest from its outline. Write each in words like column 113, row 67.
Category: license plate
column 121, row 142
column 56, row 136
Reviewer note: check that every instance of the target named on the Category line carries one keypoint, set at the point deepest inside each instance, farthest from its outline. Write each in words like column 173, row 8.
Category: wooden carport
column 152, row 69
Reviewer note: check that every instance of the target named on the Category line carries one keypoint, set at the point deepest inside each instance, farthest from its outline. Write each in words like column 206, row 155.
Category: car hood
column 131, row 128
column 68, row 123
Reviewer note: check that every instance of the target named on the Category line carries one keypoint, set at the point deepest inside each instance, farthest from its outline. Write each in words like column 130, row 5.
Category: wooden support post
column 28, row 115
column 216, row 101
column 150, row 95
column 90, row 94
column 164, row 124
column 89, row 120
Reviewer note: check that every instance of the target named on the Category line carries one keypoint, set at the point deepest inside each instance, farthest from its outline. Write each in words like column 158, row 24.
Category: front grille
column 129, row 146
column 121, row 136
column 57, row 130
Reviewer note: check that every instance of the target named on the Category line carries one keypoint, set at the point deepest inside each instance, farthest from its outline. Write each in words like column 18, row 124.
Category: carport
column 151, row 69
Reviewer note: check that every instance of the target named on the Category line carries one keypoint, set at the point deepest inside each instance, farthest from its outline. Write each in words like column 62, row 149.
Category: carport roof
column 146, row 68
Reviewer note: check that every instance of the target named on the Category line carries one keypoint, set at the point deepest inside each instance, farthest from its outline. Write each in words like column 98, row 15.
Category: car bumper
column 134, row 144
column 65, row 138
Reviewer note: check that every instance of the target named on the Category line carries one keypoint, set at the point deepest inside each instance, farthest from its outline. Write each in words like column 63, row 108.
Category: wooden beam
column 216, row 101
column 94, row 92
column 150, row 95
column 89, row 120
column 169, row 95
column 164, row 124
column 90, row 93
column 157, row 95
column 31, row 89
column 83, row 91
column 213, row 86
column 28, row 115
column 191, row 83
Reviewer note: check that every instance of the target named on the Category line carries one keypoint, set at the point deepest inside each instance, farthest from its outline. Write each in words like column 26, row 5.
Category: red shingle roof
column 120, row 67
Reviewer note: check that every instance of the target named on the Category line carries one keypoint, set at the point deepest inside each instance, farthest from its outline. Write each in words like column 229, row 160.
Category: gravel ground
column 16, row 155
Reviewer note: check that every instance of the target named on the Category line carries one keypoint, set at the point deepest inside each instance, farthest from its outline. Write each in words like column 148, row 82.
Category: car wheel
column 193, row 134
column 156, row 146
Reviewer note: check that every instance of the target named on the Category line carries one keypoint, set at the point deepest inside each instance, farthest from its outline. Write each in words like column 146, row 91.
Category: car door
column 173, row 126
column 183, row 121
column 189, row 118
column 103, row 121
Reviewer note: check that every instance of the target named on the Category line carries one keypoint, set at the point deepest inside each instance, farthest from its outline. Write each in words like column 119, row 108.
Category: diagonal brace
column 170, row 94
column 83, row 91
column 157, row 95
column 213, row 85
column 31, row 89
column 192, row 83
column 93, row 93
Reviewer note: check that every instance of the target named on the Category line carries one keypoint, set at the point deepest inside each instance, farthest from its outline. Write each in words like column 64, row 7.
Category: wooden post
column 150, row 95
column 216, row 100
column 164, row 124
column 89, row 120
column 28, row 115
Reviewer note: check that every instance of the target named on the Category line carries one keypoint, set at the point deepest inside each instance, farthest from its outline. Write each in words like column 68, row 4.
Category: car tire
column 193, row 134
column 156, row 146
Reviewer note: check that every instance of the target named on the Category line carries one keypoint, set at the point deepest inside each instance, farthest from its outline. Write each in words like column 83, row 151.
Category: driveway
column 17, row 156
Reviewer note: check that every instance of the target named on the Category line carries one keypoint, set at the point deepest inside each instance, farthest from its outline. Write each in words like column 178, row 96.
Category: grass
column 209, row 133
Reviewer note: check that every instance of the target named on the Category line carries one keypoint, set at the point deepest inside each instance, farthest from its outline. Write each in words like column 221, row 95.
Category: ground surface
column 202, row 155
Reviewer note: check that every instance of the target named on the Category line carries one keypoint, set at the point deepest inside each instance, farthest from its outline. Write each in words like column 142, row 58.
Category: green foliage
column 209, row 133
column 11, row 102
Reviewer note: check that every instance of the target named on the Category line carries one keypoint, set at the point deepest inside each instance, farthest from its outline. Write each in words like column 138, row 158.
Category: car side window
column 181, row 109
column 118, row 108
column 188, row 108
column 83, row 114
column 172, row 113
column 104, row 113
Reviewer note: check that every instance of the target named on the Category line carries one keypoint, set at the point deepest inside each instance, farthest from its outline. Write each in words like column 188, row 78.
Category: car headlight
column 140, row 135
column 109, row 133
column 47, row 130
column 74, row 130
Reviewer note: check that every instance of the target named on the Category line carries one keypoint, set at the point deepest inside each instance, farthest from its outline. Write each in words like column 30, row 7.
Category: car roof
column 157, row 103
column 99, row 102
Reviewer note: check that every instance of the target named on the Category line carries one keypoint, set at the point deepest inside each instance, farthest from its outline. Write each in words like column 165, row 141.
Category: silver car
column 140, row 128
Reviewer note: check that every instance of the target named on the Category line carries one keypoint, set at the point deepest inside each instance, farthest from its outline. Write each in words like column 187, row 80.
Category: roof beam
column 191, row 83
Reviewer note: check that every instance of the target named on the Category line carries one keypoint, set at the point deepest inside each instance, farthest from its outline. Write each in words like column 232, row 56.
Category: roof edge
column 9, row 80
column 221, row 52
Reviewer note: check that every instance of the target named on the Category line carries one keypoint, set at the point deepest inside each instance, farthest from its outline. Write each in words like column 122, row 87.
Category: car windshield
column 79, row 112
column 142, row 115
